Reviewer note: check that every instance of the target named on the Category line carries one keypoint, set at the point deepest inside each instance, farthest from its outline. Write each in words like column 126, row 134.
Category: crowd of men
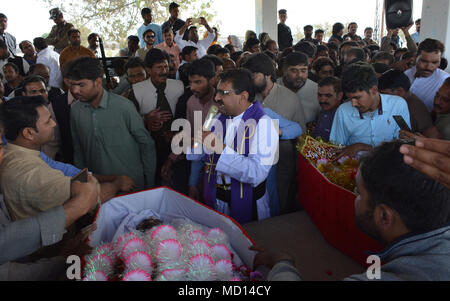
column 61, row 114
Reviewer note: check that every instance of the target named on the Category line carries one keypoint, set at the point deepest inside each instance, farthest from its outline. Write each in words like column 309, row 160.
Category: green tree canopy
column 115, row 20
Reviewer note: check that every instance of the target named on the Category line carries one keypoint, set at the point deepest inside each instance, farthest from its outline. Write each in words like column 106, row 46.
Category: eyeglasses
column 224, row 92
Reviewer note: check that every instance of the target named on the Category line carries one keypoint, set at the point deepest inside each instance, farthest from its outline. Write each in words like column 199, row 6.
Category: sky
column 235, row 16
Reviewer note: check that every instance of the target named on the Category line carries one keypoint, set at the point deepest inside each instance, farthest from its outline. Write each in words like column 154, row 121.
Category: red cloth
column 331, row 208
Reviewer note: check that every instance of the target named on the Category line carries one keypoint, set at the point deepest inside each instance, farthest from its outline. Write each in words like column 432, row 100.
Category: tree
column 115, row 20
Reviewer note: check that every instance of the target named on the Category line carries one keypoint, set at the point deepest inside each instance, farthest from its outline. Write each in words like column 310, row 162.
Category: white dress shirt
column 426, row 87
column 50, row 58
column 146, row 96
column 254, row 169
column 201, row 45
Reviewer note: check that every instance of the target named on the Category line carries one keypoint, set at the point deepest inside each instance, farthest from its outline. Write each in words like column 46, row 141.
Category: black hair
column 19, row 113
column 3, row 16
column 368, row 28
column 155, row 56
column 230, row 48
column 268, row 42
column 383, row 55
column 348, row 43
column 444, row 63
column 308, row 26
column 40, row 43
column 394, row 79
column 235, row 55
column 381, row 68
column 134, row 39
column 431, row 45
column 20, row 44
column 187, row 51
column 223, row 50
column 260, row 62
column 145, row 11
column 320, row 62
column 167, row 29
column 213, row 49
column 92, row 35
column 318, row 31
column 12, row 65
column 307, row 48
column 270, row 54
column 358, row 77
column 242, row 80
column 217, row 61
column 34, row 66
column 203, row 67
column 250, row 43
column 294, row 59
column 331, row 81
column 373, row 48
column 71, row 31
column 148, row 30
column 32, row 79
column 360, row 54
column 333, row 45
column 84, row 68
column 337, row 27
column 422, row 203
column 321, row 48
column 350, row 24
column 134, row 62
column 183, row 72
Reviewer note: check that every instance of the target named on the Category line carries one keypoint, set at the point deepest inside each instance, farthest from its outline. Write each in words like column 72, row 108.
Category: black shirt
column 284, row 36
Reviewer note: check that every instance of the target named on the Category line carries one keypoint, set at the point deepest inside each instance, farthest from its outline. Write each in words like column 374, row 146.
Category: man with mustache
column 284, row 102
column 329, row 97
column 426, row 77
column 157, row 98
column 295, row 78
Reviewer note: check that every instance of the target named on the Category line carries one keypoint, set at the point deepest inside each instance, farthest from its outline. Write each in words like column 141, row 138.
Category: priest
column 239, row 151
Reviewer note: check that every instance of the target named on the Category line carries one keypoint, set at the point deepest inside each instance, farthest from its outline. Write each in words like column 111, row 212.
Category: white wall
column 266, row 14
column 436, row 23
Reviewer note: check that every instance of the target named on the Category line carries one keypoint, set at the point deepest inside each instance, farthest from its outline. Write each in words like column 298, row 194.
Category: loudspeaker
column 399, row 13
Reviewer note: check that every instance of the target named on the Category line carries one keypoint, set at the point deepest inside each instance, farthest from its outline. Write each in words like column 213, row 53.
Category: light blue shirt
column 67, row 169
column 416, row 37
column 375, row 128
column 156, row 29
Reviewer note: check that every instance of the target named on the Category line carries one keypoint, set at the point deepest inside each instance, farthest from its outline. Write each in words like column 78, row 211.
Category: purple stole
column 241, row 193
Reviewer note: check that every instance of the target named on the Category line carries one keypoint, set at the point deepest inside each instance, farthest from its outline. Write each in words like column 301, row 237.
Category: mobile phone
column 196, row 20
column 402, row 123
column 82, row 176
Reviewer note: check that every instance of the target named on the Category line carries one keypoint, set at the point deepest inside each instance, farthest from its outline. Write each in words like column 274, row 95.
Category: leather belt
column 223, row 193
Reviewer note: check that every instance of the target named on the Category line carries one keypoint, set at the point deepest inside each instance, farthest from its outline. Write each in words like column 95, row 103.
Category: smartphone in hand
column 402, row 123
column 82, row 176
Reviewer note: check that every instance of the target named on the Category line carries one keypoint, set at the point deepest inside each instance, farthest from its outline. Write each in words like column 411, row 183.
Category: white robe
column 255, row 168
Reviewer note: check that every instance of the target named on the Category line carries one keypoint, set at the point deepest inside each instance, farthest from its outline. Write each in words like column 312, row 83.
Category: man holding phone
column 366, row 120
column 202, row 45
column 28, row 182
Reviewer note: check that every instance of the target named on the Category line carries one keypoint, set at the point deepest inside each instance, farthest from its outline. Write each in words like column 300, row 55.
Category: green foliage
column 116, row 19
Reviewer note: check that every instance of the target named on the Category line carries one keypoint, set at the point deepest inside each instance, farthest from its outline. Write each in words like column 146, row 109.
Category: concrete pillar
column 267, row 17
column 436, row 23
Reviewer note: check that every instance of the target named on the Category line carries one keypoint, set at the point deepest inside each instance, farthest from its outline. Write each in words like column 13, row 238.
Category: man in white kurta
column 234, row 103
column 202, row 45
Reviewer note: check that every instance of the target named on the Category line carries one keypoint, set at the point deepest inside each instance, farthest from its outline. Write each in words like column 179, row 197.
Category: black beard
column 262, row 87
column 293, row 84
